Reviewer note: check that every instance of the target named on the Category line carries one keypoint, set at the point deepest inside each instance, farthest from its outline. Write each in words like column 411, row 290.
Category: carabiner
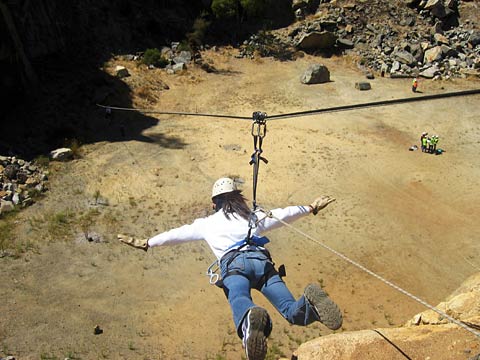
column 211, row 272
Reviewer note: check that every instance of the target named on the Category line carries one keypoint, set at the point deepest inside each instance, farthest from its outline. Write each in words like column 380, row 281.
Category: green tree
column 225, row 8
column 199, row 29
column 253, row 7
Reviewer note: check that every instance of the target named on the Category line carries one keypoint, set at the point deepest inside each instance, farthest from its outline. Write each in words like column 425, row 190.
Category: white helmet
column 222, row 186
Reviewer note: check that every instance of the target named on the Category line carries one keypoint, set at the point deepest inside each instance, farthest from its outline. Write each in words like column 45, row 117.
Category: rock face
column 426, row 336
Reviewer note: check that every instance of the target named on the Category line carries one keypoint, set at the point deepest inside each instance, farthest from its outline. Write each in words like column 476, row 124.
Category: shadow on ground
column 64, row 110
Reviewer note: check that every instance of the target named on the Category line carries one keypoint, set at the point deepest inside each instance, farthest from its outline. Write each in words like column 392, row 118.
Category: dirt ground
column 408, row 216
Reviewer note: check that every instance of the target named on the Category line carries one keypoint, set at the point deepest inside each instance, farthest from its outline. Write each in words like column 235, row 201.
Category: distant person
column 424, row 134
column 414, row 85
column 429, row 145
column 247, row 264
column 424, row 140
column 434, row 143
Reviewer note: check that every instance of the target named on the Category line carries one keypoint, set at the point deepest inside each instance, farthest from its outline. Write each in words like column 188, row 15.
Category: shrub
column 42, row 161
column 154, row 57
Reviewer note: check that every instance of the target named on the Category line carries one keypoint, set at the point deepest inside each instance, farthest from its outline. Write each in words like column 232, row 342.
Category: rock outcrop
column 425, row 336
column 400, row 38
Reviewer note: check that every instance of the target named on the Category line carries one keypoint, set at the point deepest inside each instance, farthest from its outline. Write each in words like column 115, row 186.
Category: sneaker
column 254, row 326
column 326, row 310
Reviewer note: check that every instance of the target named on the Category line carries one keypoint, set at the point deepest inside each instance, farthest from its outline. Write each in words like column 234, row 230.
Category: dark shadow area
column 52, row 55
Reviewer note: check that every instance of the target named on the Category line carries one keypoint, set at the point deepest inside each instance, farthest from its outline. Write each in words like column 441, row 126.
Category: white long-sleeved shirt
column 222, row 234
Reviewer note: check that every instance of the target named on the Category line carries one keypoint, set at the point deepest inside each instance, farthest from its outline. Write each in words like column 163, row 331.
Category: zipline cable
column 375, row 103
column 151, row 111
column 378, row 277
column 309, row 112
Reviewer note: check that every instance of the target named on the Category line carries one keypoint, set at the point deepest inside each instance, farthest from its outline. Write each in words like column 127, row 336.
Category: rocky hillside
column 433, row 39
column 426, row 336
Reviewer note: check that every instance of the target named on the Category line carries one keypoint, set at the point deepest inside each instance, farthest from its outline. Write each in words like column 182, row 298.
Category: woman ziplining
column 246, row 264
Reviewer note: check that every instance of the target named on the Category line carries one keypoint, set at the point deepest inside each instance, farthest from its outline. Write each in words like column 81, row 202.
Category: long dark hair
column 232, row 203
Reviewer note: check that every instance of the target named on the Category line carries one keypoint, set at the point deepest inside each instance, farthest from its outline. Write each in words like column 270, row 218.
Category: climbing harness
column 251, row 242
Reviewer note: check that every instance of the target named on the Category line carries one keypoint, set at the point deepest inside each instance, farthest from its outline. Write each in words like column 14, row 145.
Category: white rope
column 389, row 283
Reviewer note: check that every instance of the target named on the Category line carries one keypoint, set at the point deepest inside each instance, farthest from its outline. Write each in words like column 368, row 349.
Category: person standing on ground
column 429, row 145
column 435, row 142
column 422, row 137
column 414, row 85
column 246, row 264
column 424, row 142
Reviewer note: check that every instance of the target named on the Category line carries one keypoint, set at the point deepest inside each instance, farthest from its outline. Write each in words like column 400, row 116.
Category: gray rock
column 474, row 38
column 363, row 85
column 62, row 154
column 178, row 67
column 433, row 54
column 121, row 71
column 404, row 57
column 395, row 67
column 317, row 40
column 345, row 43
column 441, row 39
column 316, row 74
column 16, row 199
column 6, row 206
column 430, row 72
column 10, row 171
column 184, row 57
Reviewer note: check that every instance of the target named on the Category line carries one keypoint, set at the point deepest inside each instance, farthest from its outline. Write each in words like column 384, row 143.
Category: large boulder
column 317, row 40
column 316, row 74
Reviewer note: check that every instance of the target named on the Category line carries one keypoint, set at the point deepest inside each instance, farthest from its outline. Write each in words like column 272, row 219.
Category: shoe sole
column 327, row 311
column 256, row 347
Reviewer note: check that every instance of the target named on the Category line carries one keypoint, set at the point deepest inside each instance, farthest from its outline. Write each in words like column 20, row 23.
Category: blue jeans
column 249, row 269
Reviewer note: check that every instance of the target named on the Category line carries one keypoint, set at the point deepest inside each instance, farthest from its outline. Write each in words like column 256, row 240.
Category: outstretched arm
column 175, row 236
column 292, row 213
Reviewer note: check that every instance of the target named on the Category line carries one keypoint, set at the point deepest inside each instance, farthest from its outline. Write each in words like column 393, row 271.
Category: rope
column 389, row 283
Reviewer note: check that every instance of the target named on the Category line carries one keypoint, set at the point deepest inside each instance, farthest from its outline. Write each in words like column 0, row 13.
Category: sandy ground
column 408, row 216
